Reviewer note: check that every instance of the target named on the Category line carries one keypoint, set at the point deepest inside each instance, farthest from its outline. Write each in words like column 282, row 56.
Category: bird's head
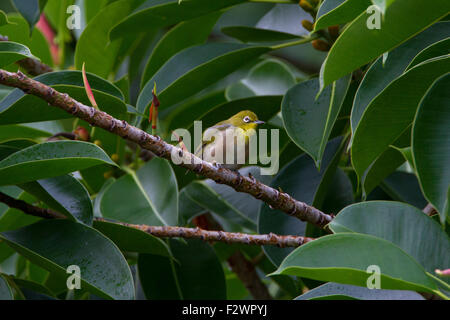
column 245, row 120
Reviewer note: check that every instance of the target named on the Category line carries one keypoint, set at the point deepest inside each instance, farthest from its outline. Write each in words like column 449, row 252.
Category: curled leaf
column 87, row 87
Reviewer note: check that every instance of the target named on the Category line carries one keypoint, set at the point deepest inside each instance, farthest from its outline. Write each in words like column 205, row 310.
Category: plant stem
column 295, row 43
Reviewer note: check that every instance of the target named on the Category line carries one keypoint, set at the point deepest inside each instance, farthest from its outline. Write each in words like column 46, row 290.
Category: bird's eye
column 247, row 119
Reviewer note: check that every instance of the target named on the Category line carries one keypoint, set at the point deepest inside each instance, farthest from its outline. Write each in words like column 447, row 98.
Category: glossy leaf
column 149, row 196
column 30, row 10
column 64, row 194
column 380, row 74
column 252, row 34
column 439, row 48
column 50, row 159
column 335, row 12
column 132, row 240
column 344, row 258
column 20, row 108
column 405, row 226
column 309, row 121
column 270, row 77
column 164, row 13
column 302, row 181
column 182, row 36
column 372, row 43
column 57, row 244
column 404, row 187
column 18, row 132
column 11, row 52
column 430, row 145
column 196, row 273
column 398, row 103
column 332, row 289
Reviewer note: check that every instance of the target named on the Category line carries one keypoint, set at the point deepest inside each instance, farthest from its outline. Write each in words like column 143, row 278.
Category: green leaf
column 439, row 48
column 344, row 258
column 6, row 292
column 30, row 10
column 197, row 275
column 10, row 218
column 64, row 194
column 33, row 290
column 397, row 103
column 309, row 121
column 335, row 12
column 18, row 31
column 404, row 225
column 303, row 182
column 49, row 160
column 404, row 187
column 101, row 60
column 182, row 36
column 18, row 107
column 56, row 244
column 430, row 145
column 18, row 132
column 194, row 69
column 253, row 34
column 188, row 208
column 331, row 289
column 385, row 164
column 163, row 13
column 11, row 52
column 132, row 240
column 342, row 59
column 380, row 74
column 270, row 77
column 3, row 18
column 149, row 196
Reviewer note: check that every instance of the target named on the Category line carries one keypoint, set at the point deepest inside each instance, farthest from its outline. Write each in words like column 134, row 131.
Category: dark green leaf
column 252, row 34
column 335, row 12
column 6, row 292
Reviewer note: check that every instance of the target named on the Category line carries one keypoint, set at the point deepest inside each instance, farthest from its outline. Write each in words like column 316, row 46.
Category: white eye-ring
column 246, row 119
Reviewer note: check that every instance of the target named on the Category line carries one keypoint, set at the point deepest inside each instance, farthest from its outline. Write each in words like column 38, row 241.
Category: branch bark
column 171, row 232
column 275, row 199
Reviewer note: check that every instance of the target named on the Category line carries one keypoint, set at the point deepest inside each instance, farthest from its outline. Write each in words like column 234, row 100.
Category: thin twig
column 275, row 199
column 171, row 232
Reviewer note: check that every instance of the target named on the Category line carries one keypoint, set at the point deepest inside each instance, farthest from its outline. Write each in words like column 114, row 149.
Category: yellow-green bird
column 233, row 135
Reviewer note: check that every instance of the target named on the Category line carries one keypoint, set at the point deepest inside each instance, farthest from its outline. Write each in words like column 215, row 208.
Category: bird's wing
column 219, row 126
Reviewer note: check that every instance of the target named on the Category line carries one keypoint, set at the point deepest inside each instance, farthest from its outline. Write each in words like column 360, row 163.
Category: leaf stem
column 295, row 43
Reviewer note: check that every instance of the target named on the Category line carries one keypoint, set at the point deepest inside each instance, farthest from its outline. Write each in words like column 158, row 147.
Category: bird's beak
column 258, row 122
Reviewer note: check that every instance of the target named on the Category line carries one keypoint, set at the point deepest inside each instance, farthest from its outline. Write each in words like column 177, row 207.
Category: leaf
column 197, row 275
column 163, row 13
column 18, row 31
column 132, row 240
column 194, row 69
column 309, row 121
column 64, row 194
column 398, row 103
column 10, row 218
column 335, row 12
column 342, row 59
column 430, row 142
column 3, row 18
column 344, row 258
column 270, row 77
column 11, row 52
column 18, row 107
column 182, row 36
column 303, row 182
column 149, row 196
column 56, row 244
column 101, row 60
column 6, row 292
column 18, row 132
column 380, row 74
column 331, row 289
column 30, row 10
column 403, row 225
column 404, row 187
column 49, row 160
column 252, row 34
column 436, row 49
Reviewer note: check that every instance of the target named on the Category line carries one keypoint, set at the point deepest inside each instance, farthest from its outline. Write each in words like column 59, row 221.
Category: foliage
column 364, row 135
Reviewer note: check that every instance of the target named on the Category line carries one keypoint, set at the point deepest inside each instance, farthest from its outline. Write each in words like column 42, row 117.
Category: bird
column 236, row 130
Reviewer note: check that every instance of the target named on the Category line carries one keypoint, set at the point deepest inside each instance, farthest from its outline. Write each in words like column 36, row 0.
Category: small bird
column 236, row 130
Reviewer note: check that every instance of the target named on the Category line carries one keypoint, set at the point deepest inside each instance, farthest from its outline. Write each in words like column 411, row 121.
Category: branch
column 32, row 66
column 171, row 232
column 275, row 199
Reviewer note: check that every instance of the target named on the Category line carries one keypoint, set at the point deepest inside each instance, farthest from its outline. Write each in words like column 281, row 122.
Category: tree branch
column 171, row 232
column 32, row 66
column 277, row 200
